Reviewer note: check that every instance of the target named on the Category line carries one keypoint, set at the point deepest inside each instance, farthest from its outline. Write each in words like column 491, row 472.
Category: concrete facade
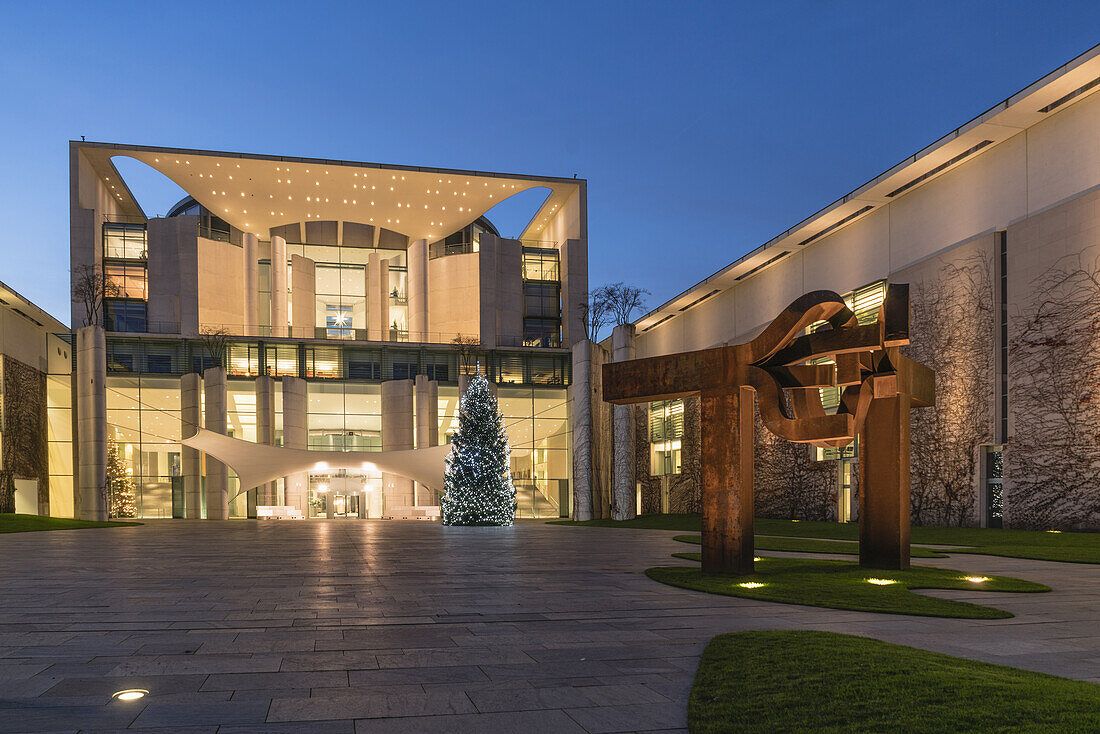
column 987, row 224
column 397, row 435
column 216, row 488
column 267, row 493
column 91, row 435
column 295, row 436
column 624, row 502
column 191, row 469
column 426, row 408
column 368, row 284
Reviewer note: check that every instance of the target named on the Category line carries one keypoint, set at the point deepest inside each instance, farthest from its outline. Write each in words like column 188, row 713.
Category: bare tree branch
column 594, row 310
column 623, row 300
column 90, row 288
column 215, row 342
column 468, row 348
column 1053, row 456
column 951, row 322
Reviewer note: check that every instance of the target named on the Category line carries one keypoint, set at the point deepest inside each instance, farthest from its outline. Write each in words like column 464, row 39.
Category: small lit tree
column 478, row 487
column 121, row 483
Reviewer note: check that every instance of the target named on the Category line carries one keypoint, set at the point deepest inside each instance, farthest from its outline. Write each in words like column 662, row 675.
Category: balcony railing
column 442, row 249
column 343, row 333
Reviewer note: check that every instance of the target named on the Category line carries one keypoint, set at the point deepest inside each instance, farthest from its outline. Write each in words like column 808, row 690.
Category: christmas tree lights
column 121, row 483
column 478, row 487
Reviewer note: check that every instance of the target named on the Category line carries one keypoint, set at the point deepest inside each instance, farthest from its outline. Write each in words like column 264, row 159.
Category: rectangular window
column 666, row 433
column 438, row 372
column 338, row 322
column 364, row 370
column 129, row 280
column 125, row 316
column 541, row 263
column 404, row 370
column 124, row 241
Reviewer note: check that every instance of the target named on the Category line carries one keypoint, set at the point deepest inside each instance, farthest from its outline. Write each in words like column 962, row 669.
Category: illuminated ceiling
column 255, row 193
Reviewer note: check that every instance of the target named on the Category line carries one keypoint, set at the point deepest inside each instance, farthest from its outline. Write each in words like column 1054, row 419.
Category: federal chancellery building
column 292, row 308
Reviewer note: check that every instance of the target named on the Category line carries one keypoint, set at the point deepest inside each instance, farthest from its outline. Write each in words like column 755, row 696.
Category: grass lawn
column 1036, row 544
column 11, row 523
column 812, row 545
column 844, row 585
column 827, row 682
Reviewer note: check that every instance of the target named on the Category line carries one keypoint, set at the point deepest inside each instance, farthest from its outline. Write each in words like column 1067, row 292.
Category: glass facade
column 143, row 416
column 541, row 297
column 125, row 274
column 344, row 414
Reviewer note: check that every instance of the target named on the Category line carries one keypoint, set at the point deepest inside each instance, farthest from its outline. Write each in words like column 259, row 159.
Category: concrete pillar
column 217, row 476
column 91, row 423
column 590, row 431
column 303, row 292
column 624, row 504
column 278, row 287
column 378, row 298
column 191, row 417
column 268, row 492
column 397, row 434
column 295, row 436
column 427, row 428
column 417, row 258
column 574, row 289
column 250, row 251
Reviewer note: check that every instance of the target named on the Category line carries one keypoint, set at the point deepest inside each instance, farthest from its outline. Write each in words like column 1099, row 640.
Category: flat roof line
column 923, row 152
column 320, row 161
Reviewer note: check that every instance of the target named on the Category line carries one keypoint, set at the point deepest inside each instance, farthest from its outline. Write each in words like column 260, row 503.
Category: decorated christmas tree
column 120, row 482
column 478, row 487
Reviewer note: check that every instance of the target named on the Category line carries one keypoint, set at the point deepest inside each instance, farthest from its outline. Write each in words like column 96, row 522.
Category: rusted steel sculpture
column 879, row 385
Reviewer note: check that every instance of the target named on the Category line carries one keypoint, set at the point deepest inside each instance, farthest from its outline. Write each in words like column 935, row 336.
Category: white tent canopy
column 257, row 463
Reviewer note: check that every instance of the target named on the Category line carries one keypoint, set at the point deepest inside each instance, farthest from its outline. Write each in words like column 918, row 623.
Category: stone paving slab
column 370, row 626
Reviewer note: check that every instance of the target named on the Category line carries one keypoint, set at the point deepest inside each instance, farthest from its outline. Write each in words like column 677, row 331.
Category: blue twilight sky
column 703, row 129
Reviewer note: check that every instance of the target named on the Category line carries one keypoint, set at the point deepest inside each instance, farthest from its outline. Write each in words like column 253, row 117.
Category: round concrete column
column 191, row 417
column 217, row 476
column 278, row 287
column 417, row 258
column 91, row 415
column 295, row 436
column 624, row 503
column 397, row 435
column 250, row 252
column 268, row 492
column 583, row 433
column 427, row 428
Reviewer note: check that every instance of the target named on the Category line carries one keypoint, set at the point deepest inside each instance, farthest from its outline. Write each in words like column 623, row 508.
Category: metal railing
column 442, row 249
column 345, row 333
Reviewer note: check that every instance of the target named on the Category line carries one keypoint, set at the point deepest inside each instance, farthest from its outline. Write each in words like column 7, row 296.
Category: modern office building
column 318, row 304
column 996, row 227
column 338, row 307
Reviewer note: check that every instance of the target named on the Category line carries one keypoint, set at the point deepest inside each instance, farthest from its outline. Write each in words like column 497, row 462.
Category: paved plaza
column 373, row 626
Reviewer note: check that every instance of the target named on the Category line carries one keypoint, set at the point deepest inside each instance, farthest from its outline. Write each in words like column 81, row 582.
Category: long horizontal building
column 996, row 227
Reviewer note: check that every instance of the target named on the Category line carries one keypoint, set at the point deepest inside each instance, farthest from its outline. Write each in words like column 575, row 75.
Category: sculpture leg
column 884, row 484
column 727, row 438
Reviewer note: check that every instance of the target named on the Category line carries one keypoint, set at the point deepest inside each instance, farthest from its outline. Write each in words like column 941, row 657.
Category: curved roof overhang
column 255, row 193
column 257, row 463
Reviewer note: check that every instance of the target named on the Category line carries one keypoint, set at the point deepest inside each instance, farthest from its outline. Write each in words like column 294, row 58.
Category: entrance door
column 345, row 505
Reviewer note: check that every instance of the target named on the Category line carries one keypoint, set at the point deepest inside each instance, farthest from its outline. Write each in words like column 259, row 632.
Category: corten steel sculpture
column 879, row 385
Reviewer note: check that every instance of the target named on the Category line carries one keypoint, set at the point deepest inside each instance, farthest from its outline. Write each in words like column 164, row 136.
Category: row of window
column 251, row 359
